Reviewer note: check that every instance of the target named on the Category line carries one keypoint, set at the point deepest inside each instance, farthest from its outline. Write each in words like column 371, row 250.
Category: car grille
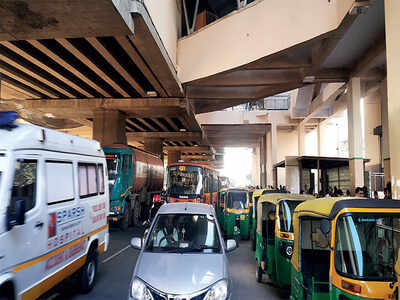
column 157, row 295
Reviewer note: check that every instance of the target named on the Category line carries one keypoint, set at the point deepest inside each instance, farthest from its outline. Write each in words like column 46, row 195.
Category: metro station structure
column 186, row 78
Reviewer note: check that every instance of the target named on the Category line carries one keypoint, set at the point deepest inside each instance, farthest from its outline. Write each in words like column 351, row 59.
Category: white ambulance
column 53, row 210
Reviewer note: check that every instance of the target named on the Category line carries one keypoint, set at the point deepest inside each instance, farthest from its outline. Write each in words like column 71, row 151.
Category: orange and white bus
column 192, row 182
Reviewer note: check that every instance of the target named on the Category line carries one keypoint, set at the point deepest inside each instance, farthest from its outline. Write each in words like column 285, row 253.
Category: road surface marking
column 115, row 254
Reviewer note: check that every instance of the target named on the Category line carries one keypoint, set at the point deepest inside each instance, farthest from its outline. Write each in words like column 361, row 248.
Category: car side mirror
column 16, row 216
column 230, row 245
column 325, row 226
column 136, row 243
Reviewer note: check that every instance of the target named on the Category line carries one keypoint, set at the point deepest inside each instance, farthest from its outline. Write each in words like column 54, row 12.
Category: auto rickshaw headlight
column 139, row 291
column 218, row 291
column 289, row 251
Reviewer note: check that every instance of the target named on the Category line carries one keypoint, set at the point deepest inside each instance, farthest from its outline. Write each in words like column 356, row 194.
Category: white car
column 53, row 210
column 183, row 256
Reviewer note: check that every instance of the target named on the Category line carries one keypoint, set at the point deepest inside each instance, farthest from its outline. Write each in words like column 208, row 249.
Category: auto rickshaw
column 254, row 199
column 345, row 248
column 274, row 236
column 233, row 213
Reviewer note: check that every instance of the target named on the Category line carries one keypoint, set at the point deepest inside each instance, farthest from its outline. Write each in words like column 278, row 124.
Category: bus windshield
column 367, row 245
column 237, row 200
column 286, row 210
column 113, row 165
column 185, row 181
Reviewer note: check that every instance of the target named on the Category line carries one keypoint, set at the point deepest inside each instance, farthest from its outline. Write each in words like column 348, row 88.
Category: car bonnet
column 180, row 273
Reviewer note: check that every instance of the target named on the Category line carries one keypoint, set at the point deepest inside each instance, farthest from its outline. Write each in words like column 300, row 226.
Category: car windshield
column 185, row 181
column 113, row 165
column 237, row 200
column 178, row 233
column 286, row 209
column 367, row 245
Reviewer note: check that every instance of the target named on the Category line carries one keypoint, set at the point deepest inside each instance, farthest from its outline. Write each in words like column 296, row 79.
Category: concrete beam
column 370, row 58
column 173, row 136
column 191, row 149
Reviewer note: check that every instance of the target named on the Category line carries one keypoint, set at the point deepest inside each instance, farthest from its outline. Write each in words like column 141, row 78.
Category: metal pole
column 186, row 17
column 195, row 14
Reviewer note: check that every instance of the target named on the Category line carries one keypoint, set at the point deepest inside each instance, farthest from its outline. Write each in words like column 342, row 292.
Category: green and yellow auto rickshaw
column 254, row 200
column 274, row 236
column 345, row 249
column 233, row 213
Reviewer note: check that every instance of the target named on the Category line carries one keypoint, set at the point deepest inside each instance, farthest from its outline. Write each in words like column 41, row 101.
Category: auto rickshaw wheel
column 258, row 273
column 253, row 243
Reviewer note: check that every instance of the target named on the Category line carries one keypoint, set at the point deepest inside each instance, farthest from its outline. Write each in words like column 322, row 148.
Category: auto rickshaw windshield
column 237, row 200
column 367, row 246
column 286, row 209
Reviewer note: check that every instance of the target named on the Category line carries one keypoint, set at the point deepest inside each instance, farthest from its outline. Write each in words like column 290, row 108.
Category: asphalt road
column 116, row 266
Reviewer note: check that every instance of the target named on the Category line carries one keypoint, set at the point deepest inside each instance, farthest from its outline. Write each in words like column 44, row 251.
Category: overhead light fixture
column 151, row 93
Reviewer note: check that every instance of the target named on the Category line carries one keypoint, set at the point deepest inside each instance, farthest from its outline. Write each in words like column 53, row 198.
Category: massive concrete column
column 255, row 174
column 272, row 148
column 174, row 156
column 356, row 162
column 263, row 161
column 385, row 131
column 109, row 127
column 301, row 135
column 318, row 139
column 154, row 145
column 292, row 173
column 392, row 23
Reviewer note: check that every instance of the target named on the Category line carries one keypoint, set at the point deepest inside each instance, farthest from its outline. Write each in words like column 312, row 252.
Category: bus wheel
column 258, row 273
column 136, row 212
column 87, row 275
column 124, row 223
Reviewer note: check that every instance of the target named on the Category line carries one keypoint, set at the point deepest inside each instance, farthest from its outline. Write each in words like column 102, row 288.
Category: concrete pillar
column 318, row 139
column 356, row 162
column 271, row 153
column 301, row 135
column 153, row 145
column 292, row 174
column 109, row 127
column 255, row 173
column 392, row 23
column 263, row 161
column 385, row 131
column 174, row 156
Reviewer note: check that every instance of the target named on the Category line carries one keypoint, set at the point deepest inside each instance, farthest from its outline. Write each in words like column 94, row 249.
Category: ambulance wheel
column 125, row 221
column 258, row 273
column 87, row 275
column 136, row 213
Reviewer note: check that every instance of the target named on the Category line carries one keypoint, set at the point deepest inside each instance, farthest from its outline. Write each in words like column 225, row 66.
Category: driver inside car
column 167, row 234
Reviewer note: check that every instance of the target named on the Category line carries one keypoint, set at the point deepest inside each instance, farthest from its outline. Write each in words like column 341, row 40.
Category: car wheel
column 124, row 223
column 258, row 273
column 87, row 274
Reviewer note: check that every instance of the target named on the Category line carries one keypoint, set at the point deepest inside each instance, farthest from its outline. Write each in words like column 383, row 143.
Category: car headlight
column 139, row 291
column 218, row 291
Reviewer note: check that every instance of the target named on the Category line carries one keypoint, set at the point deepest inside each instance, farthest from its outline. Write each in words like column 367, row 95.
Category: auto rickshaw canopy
column 275, row 198
column 330, row 208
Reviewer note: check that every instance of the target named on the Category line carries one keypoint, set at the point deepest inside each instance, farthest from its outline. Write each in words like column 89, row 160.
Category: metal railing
column 214, row 9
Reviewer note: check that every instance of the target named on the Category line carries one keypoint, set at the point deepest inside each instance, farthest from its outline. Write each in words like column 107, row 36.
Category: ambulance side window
column 100, row 173
column 87, row 180
column 59, row 172
column 24, row 184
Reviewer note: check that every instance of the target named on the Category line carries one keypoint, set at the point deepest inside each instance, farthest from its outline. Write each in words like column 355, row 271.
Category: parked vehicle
column 53, row 210
column 192, row 182
column 274, row 237
column 135, row 177
column 257, row 193
column 345, row 248
column 234, row 212
column 183, row 256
